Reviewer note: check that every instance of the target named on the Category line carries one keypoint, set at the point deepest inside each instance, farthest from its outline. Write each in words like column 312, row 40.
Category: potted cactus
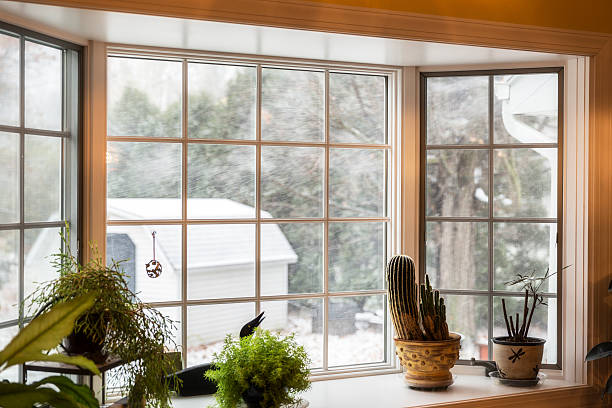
column 423, row 344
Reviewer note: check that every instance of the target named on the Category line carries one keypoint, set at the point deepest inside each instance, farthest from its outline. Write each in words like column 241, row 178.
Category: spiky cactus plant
column 403, row 297
column 414, row 320
column 433, row 313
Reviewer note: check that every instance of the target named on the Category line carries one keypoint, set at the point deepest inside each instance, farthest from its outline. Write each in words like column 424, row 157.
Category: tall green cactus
column 414, row 320
column 403, row 297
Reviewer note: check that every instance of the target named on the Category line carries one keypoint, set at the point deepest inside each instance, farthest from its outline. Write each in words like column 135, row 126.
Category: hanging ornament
column 154, row 268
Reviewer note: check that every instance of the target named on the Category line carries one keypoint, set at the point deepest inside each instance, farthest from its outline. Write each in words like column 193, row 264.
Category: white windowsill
column 390, row 391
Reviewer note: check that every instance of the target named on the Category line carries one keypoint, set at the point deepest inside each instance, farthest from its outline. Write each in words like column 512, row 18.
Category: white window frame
column 574, row 222
column 393, row 171
column 70, row 136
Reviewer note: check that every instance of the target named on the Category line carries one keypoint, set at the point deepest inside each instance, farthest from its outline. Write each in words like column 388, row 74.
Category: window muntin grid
column 487, row 291
column 186, row 220
column 41, row 123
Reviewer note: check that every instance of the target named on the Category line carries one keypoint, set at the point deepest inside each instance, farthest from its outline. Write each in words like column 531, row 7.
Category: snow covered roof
column 210, row 245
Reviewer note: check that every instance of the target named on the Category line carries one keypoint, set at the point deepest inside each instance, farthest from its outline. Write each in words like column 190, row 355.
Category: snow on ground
column 363, row 346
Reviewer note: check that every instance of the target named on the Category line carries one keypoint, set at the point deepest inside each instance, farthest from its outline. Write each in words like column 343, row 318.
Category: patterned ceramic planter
column 518, row 361
column 428, row 363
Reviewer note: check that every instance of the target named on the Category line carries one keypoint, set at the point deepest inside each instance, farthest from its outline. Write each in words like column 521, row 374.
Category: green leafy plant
column 33, row 343
column 274, row 366
column 118, row 321
column 532, row 285
column 602, row 350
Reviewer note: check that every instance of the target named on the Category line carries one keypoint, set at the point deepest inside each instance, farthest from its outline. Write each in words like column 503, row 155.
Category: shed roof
column 210, row 245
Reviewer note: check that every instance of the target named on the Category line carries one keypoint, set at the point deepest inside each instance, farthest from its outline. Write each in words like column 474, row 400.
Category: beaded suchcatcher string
column 154, row 268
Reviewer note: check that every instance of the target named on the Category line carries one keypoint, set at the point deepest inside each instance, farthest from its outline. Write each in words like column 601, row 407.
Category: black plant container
column 80, row 344
column 253, row 397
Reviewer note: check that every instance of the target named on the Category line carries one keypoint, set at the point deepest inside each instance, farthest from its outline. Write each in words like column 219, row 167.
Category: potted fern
column 117, row 325
column 262, row 370
column 423, row 344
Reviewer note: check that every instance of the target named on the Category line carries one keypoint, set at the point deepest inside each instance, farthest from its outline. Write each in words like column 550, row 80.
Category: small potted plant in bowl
column 262, row 370
column 517, row 355
column 423, row 344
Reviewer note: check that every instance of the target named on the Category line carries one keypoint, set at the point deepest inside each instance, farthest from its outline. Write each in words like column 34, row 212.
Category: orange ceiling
column 588, row 15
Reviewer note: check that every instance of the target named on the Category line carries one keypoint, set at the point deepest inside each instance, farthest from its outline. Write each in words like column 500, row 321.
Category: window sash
column 491, row 146
column 69, row 136
column 387, row 219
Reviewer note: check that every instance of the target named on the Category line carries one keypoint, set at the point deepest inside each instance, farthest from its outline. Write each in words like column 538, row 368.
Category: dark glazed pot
column 253, row 397
column 518, row 360
column 80, row 344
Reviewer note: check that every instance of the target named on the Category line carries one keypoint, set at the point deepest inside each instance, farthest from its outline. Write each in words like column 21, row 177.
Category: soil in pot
column 428, row 363
column 518, row 360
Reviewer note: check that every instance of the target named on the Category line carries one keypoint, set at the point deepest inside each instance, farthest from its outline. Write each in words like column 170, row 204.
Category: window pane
column 469, row 317
column 208, row 325
column 457, row 183
column 526, row 108
column 222, row 101
column 134, row 245
column 356, row 330
column 525, row 183
column 356, row 256
column 291, row 258
column 9, row 80
column 292, row 181
column 144, row 97
column 458, row 255
column 524, row 248
column 9, row 174
column 302, row 317
column 143, row 180
column 220, row 261
column 38, row 245
column 116, row 383
column 42, row 178
column 9, row 276
column 357, row 183
column 543, row 323
column 357, row 108
column 43, row 87
column 458, row 110
column 6, row 335
column 292, row 106
column 221, row 181
column 174, row 313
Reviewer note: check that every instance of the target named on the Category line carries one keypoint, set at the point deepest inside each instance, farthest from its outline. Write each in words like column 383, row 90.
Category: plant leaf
column 608, row 389
column 81, row 394
column 13, row 395
column 79, row 361
column 600, row 351
column 46, row 331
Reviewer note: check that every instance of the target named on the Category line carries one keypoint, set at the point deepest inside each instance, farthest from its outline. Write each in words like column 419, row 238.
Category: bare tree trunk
column 457, row 247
